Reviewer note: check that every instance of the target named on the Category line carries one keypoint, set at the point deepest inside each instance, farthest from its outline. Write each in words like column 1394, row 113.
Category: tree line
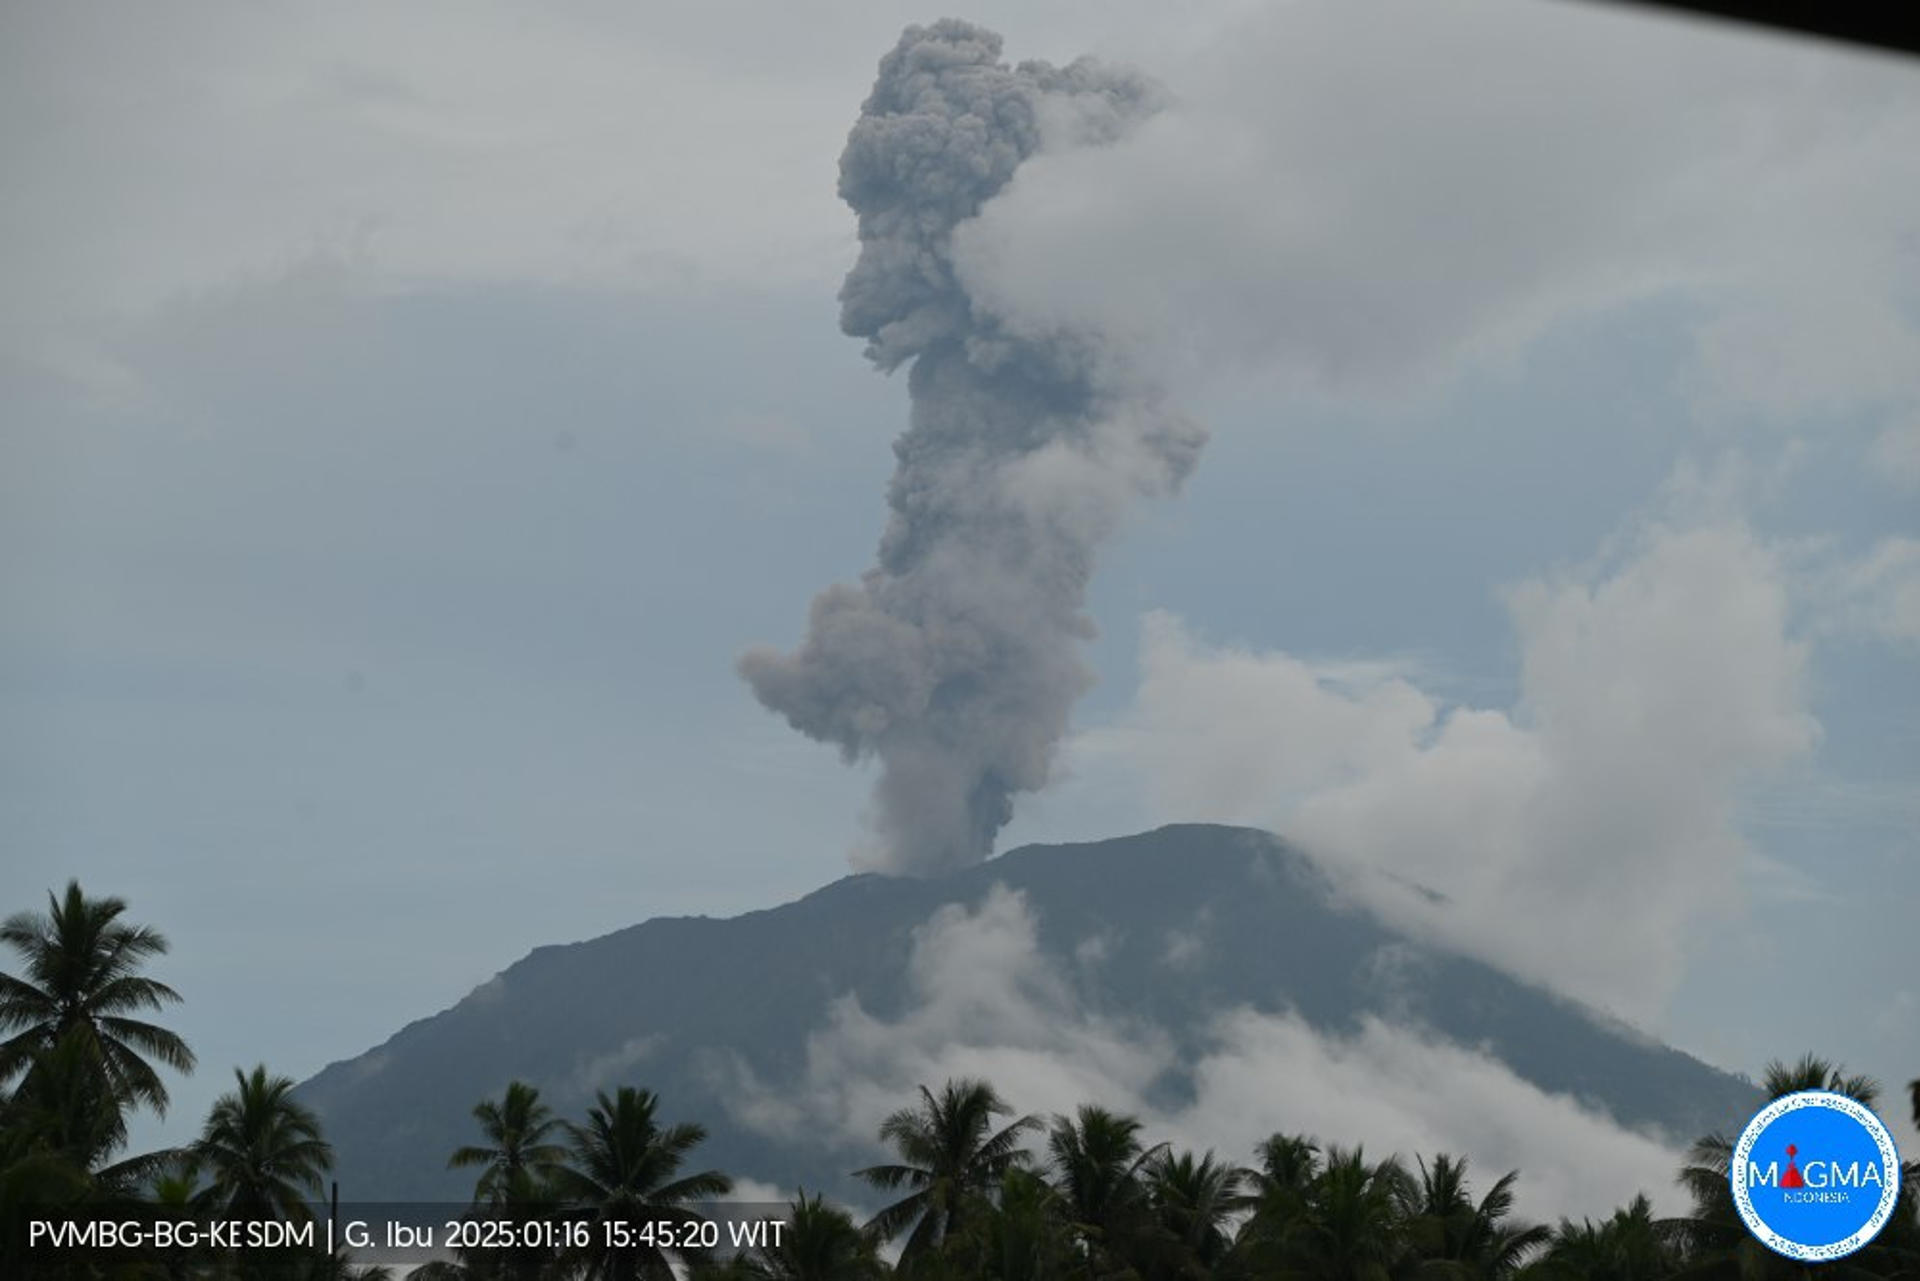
column 973, row 1190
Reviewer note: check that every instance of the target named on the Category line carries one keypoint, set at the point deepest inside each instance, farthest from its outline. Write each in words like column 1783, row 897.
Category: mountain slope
column 1189, row 921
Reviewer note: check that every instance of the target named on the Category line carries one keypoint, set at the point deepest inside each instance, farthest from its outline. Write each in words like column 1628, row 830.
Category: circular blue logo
column 1815, row 1175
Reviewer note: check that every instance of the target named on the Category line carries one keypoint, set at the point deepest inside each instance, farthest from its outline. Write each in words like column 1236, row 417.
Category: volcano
column 1164, row 931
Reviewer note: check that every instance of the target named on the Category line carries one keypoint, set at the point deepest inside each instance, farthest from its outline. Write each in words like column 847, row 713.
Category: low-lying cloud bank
column 1581, row 837
column 988, row 1003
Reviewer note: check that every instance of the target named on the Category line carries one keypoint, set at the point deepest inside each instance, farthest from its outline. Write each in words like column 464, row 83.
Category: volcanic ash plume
column 956, row 658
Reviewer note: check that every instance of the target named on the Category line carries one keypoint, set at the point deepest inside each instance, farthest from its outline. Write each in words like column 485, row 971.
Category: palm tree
column 1445, row 1225
column 820, row 1243
column 82, row 974
column 261, row 1150
column 1277, row 1190
column 624, row 1167
column 516, row 1160
column 950, row 1156
column 1192, row 1201
column 1714, row 1236
column 1815, row 1073
column 51, row 1133
column 319, row 1265
column 1023, row 1236
column 1097, row 1161
column 63, row 1126
column 1288, row 1163
column 172, row 1190
column 517, row 1169
column 443, row 1270
column 1354, row 1227
column 1630, row 1246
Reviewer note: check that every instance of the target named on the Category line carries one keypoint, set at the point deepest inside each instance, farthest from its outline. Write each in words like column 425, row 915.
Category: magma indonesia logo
column 1815, row 1175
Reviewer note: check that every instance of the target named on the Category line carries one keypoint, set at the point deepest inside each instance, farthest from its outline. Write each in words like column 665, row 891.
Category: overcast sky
column 409, row 414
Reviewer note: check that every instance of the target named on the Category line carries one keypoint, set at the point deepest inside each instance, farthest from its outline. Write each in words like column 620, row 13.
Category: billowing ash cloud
column 956, row 658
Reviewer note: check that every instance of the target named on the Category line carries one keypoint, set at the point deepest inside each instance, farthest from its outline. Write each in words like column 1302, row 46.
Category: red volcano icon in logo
column 1792, row 1179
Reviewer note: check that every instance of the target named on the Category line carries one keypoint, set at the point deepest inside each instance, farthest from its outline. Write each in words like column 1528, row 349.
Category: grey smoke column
column 956, row 658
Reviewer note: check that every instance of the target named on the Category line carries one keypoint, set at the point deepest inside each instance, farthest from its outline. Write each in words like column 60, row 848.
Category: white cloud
column 1653, row 686
column 987, row 1003
column 1341, row 193
column 1185, row 949
column 655, row 146
column 1366, row 201
column 1880, row 592
column 1896, row 452
column 758, row 1193
column 984, row 1005
column 467, row 141
column 593, row 1072
column 1395, row 1091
